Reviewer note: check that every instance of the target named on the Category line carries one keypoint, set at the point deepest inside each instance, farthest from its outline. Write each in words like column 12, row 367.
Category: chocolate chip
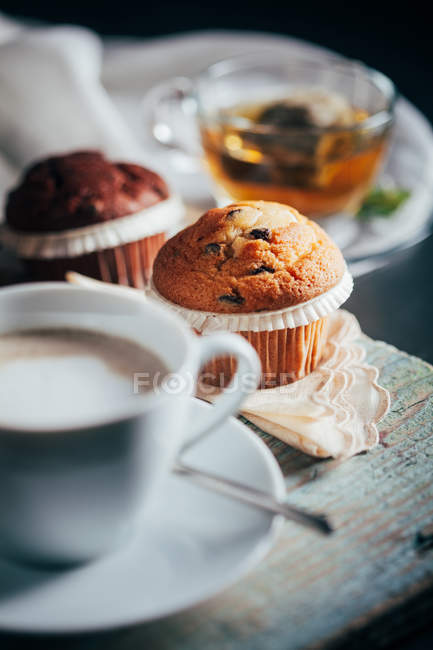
column 424, row 538
column 233, row 298
column 92, row 210
column 232, row 213
column 262, row 269
column 261, row 233
column 212, row 248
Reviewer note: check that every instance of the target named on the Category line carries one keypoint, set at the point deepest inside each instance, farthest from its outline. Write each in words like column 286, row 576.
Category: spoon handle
column 90, row 283
column 253, row 497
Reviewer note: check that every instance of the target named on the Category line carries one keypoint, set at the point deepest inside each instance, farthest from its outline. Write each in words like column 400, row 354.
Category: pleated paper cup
column 121, row 250
column 289, row 341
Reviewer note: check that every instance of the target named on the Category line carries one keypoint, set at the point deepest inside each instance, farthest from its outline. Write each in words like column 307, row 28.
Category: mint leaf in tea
column 382, row 202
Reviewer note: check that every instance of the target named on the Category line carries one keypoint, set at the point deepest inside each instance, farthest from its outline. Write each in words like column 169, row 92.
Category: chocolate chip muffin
column 261, row 269
column 80, row 211
column 247, row 257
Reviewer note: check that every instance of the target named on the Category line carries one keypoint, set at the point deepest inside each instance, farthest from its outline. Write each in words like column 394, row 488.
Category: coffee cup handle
column 169, row 114
column 244, row 381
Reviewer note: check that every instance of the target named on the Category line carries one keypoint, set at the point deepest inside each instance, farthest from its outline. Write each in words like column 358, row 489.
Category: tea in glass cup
column 310, row 133
column 276, row 151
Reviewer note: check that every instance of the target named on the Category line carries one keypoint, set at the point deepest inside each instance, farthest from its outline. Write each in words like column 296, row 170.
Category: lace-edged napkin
column 334, row 411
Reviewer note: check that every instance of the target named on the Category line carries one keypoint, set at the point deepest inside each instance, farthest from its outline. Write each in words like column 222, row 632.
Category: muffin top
column 80, row 189
column 247, row 257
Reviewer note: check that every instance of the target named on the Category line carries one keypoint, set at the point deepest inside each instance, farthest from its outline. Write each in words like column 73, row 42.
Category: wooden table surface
column 371, row 583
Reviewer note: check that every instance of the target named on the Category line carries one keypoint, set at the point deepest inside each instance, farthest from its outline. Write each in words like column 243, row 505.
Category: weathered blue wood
column 312, row 591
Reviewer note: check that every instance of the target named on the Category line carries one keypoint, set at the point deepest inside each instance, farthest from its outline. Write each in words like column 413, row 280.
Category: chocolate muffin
column 82, row 212
column 263, row 270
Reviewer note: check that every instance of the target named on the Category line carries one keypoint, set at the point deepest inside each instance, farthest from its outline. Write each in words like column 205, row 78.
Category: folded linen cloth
column 51, row 98
column 334, row 411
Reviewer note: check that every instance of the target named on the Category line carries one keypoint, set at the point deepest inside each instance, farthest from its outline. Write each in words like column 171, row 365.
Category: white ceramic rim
column 161, row 217
column 149, row 399
column 295, row 316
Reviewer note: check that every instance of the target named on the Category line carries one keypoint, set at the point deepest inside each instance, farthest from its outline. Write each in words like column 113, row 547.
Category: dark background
column 395, row 38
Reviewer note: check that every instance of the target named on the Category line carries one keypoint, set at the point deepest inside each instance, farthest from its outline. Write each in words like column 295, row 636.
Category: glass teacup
column 259, row 140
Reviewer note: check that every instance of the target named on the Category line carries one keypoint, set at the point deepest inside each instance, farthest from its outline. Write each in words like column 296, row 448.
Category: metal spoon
column 253, row 497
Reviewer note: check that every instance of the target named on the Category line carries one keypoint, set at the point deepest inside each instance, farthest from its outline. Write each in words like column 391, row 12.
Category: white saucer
column 198, row 544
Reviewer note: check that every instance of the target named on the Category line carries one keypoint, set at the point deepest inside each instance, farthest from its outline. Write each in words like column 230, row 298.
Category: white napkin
column 334, row 411
column 51, row 98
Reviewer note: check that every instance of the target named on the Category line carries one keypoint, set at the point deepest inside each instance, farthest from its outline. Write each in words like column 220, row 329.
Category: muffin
column 84, row 213
column 260, row 269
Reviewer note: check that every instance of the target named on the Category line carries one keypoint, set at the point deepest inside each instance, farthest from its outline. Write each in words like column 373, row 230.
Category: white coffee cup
column 70, row 494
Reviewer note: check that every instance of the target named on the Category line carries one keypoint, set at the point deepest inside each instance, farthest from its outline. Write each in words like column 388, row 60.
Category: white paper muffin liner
column 305, row 313
column 81, row 241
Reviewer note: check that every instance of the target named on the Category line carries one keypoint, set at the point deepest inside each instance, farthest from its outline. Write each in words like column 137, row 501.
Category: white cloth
column 334, row 411
column 52, row 100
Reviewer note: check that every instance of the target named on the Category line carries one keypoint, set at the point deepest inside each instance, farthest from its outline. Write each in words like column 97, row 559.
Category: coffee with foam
column 60, row 377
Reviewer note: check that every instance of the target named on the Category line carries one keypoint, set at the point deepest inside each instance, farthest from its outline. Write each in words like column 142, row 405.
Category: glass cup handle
column 244, row 381
column 169, row 112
